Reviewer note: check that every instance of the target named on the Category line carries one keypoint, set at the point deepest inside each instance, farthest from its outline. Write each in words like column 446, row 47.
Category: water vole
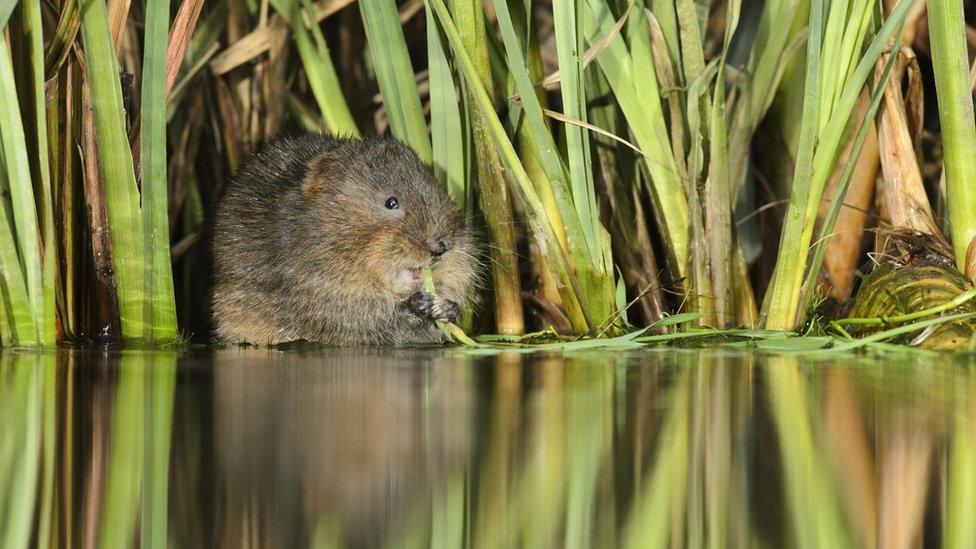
column 324, row 239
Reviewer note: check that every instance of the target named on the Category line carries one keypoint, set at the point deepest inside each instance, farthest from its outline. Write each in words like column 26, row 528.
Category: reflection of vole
column 354, row 440
column 324, row 239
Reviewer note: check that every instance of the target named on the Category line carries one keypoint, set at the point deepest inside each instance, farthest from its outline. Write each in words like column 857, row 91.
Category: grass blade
column 161, row 305
column 318, row 67
column 596, row 279
column 447, row 132
column 541, row 227
column 25, row 262
column 569, row 44
column 395, row 76
column 115, row 159
column 647, row 122
column 782, row 302
column 947, row 28
column 40, row 168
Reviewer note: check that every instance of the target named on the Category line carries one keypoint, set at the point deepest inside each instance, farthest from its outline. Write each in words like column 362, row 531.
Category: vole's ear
column 324, row 171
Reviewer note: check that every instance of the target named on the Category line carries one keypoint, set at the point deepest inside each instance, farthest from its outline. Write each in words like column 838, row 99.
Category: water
column 410, row 448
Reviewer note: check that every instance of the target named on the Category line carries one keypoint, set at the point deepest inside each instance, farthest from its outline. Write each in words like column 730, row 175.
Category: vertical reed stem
column 947, row 31
column 495, row 202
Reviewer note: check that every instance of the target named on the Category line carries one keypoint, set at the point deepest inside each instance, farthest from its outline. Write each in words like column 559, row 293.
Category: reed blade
column 496, row 205
column 161, row 303
column 395, row 75
column 448, row 134
column 947, row 31
column 595, row 277
column 647, row 123
column 542, row 230
column 317, row 62
column 35, row 115
column 820, row 139
column 115, row 159
column 22, row 253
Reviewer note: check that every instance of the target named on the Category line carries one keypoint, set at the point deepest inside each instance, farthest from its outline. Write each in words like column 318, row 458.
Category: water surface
column 431, row 448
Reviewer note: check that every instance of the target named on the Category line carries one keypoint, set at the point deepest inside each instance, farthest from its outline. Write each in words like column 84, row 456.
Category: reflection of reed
column 494, row 522
column 414, row 449
column 906, row 449
column 695, row 492
column 21, row 411
column 127, row 446
column 643, row 450
column 53, row 455
column 63, row 446
column 658, row 509
column 960, row 479
column 94, row 465
column 847, row 438
column 137, row 477
column 541, row 480
column 811, row 492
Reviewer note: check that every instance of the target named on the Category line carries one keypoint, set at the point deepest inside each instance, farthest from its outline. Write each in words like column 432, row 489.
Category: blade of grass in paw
column 450, row 330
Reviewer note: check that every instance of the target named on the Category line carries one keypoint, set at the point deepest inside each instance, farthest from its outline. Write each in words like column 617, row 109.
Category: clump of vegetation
column 606, row 450
column 625, row 160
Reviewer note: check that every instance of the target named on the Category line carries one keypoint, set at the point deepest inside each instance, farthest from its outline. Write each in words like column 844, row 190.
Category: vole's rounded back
column 323, row 239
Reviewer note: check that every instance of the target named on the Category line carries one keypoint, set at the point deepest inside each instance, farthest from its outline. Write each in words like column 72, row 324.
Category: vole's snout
column 438, row 247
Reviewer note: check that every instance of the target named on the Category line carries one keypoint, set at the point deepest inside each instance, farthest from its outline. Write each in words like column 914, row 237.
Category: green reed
column 947, row 23
column 637, row 144
column 839, row 60
column 21, row 403
column 140, row 246
column 115, row 160
column 38, row 270
column 26, row 212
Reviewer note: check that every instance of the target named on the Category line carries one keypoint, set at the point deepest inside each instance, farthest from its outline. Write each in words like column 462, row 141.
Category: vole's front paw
column 421, row 304
column 427, row 305
column 446, row 310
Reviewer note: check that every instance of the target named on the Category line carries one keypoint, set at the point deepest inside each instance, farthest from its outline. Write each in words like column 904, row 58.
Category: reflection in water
column 260, row 448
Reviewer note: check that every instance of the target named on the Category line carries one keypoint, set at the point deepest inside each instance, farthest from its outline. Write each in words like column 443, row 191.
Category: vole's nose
column 438, row 248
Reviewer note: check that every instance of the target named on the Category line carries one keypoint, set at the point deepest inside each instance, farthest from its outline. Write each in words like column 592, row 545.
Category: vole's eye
column 392, row 203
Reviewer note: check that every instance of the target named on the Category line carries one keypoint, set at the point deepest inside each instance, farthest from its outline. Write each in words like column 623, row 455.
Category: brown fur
column 304, row 246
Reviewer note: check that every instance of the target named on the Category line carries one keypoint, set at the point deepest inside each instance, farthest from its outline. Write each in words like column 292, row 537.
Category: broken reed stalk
column 844, row 247
column 907, row 203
